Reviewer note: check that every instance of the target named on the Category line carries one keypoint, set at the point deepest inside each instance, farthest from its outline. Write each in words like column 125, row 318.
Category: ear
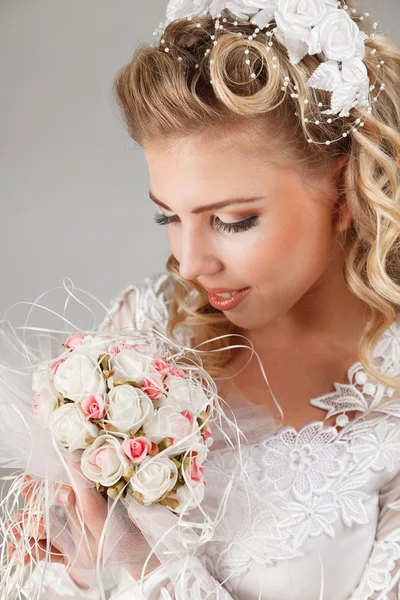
column 341, row 212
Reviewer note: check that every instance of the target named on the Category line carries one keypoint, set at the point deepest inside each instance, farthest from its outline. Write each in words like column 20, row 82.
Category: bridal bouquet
column 129, row 423
column 139, row 422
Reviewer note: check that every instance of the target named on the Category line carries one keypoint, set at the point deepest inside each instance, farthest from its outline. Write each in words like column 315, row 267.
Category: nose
column 197, row 257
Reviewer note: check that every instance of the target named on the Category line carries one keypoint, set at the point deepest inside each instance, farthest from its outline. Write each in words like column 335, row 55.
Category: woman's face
column 286, row 244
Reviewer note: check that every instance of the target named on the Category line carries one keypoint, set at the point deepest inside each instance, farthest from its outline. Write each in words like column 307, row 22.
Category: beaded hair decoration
column 327, row 28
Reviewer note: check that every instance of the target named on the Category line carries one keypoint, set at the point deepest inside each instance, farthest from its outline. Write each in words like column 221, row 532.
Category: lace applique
column 379, row 449
column 377, row 576
column 303, row 461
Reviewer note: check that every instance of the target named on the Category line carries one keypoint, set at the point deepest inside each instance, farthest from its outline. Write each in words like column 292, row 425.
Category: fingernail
column 65, row 497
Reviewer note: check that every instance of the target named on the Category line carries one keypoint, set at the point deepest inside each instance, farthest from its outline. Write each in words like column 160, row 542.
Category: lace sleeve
column 380, row 580
column 144, row 303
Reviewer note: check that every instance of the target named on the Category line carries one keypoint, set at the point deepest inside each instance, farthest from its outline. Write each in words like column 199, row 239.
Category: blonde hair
column 160, row 97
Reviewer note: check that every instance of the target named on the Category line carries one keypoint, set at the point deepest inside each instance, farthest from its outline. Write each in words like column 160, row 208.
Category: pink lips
column 226, row 303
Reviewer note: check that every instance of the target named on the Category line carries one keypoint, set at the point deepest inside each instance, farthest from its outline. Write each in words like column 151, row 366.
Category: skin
column 293, row 259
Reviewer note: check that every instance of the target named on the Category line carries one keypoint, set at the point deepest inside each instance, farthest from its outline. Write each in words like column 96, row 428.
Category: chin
column 246, row 320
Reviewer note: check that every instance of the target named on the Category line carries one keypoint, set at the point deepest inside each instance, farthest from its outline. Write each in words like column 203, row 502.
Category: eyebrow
column 214, row 206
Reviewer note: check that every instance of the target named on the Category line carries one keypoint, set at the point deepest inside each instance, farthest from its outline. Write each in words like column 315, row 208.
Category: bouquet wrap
column 133, row 423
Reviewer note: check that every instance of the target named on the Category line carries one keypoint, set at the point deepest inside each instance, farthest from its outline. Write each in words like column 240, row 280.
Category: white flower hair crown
column 322, row 27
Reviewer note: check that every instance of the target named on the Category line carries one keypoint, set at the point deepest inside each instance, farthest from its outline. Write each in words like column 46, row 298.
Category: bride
column 271, row 132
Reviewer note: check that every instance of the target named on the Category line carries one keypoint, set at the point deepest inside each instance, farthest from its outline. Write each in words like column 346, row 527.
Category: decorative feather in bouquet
column 133, row 424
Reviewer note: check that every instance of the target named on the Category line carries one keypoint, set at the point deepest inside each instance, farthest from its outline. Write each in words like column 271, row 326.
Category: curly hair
column 160, row 97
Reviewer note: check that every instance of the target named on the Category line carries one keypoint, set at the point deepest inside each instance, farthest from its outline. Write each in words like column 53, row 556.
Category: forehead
column 224, row 154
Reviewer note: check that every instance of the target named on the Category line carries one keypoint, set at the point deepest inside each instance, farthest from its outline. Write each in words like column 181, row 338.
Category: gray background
column 73, row 187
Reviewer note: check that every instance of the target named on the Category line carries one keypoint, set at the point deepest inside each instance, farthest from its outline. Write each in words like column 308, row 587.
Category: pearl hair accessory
column 323, row 27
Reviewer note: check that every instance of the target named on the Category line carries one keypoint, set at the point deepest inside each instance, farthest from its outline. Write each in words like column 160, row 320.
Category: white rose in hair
column 155, row 476
column 78, row 377
column 133, row 366
column 127, row 408
column 337, row 36
column 168, row 423
column 104, row 462
column 69, row 425
column 183, row 394
column 46, row 395
column 188, row 498
column 296, row 17
column 178, row 9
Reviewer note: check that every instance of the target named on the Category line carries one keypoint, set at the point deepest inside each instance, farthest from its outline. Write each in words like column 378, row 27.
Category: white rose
column 79, row 376
column 177, row 9
column 155, row 476
column 167, row 422
column 183, row 394
column 337, row 36
column 43, row 385
column 241, row 8
column 188, row 498
column 69, row 425
column 128, row 408
column 93, row 346
column 104, row 462
column 132, row 366
column 296, row 17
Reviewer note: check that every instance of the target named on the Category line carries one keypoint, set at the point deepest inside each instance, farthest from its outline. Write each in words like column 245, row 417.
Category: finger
column 28, row 489
column 89, row 504
column 26, row 524
column 30, row 492
column 65, row 497
column 36, row 549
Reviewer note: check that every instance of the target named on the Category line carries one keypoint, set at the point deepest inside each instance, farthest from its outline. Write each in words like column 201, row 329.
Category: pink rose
column 194, row 472
column 206, row 433
column 176, row 372
column 74, row 341
column 153, row 390
column 136, row 449
column 188, row 415
column 127, row 346
column 94, row 406
column 54, row 366
column 161, row 366
column 146, row 349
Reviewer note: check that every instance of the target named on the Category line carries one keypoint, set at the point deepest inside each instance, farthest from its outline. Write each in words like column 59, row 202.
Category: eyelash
column 220, row 225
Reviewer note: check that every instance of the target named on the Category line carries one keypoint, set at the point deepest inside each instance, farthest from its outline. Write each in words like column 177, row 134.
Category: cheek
column 288, row 245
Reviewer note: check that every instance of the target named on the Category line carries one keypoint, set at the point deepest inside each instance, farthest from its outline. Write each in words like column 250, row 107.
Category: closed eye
column 245, row 225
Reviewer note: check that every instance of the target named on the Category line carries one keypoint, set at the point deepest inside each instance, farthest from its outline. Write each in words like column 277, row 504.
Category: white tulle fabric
column 325, row 522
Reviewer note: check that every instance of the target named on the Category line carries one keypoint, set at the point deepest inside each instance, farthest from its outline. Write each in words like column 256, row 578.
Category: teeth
column 227, row 294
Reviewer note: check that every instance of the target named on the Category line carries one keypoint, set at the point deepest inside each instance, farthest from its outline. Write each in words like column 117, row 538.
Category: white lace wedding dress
column 338, row 489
